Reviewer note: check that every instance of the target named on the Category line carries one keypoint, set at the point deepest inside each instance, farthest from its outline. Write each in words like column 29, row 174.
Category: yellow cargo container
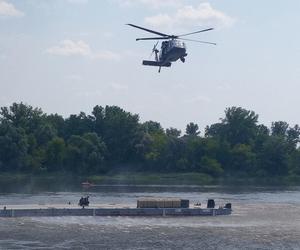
column 159, row 203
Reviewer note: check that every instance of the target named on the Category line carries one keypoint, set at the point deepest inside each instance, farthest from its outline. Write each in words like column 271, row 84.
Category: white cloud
column 107, row 55
column 223, row 87
column 152, row 3
column 180, row 86
column 118, row 87
column 199, row 98
column 107, row 34
column 2, row 56
column 9, row 10
column 78, row 1
column 70, row 48
column 89, row 93
column 159, row 20
column 74, row 77
column 189, row 15
column 133, row 54
column 81, row 48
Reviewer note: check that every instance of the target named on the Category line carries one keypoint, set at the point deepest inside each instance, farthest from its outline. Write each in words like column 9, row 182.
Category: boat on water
column 86, row 184
column 145, row 207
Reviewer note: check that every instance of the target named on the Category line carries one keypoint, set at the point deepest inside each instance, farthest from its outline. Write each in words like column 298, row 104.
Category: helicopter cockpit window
column 176, row 43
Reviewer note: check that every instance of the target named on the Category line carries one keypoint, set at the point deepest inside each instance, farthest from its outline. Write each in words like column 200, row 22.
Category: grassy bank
column 137, row 178
column 154, row 178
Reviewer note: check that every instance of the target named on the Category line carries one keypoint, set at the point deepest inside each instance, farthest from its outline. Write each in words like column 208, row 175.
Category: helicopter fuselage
column 171, row 51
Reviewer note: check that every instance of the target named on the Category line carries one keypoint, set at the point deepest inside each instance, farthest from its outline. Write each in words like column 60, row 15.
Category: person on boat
column 84, row 201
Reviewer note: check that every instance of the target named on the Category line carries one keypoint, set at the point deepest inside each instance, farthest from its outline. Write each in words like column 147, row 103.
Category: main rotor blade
column 191, row 40
column 196, row 32
column 148, row 30
column 152, row 38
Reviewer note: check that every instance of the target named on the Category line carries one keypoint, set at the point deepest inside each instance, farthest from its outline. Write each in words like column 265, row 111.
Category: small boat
column 87, row 184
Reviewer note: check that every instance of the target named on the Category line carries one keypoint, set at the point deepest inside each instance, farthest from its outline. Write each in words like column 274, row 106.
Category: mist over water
column 263, row 218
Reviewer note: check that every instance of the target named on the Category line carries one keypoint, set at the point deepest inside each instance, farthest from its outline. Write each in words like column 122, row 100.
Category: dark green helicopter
column 171, row 50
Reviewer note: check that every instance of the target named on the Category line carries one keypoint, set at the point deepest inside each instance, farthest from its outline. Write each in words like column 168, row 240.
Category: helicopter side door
column 163, row 51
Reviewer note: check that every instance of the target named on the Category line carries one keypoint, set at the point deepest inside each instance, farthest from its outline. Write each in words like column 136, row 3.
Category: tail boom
column 157, row 64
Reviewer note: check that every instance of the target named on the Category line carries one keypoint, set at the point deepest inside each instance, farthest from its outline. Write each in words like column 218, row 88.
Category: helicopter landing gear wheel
column 182, row 59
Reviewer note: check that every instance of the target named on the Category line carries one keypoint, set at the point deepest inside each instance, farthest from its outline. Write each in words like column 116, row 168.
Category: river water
column 262, row 218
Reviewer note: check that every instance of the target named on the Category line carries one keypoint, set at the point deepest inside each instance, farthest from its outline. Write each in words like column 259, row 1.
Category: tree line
column 112, row 139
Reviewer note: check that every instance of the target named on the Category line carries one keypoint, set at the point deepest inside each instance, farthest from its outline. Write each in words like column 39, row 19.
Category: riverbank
column 66, row 181
column 20, row 182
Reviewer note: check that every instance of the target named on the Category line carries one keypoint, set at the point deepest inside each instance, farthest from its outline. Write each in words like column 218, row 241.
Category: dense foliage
column 111, row 139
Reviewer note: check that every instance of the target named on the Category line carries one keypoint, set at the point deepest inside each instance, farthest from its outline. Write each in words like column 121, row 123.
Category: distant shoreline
column 138, row 178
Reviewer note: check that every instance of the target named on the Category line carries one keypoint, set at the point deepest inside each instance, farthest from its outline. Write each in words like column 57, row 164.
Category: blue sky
column 67, row 56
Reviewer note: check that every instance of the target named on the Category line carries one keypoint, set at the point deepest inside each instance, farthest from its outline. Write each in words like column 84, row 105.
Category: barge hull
column 52, row 212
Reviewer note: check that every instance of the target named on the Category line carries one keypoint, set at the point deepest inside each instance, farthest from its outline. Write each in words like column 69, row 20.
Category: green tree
column 241, row 125
column 35, row 162
column 217, row 130
column 122, row 132
column 155, row 157
column 99, row 115
column 294, row 163
column 274, row 157
column 13, row 147
column 152, row 127
column 86, row 153
column 57, row 122
column 55, row 154
column 211, row 166
column 293, row 135
column 289, row 134
column 262, row 134
column 22, row 116
column 279, row 128
column 175, row 155
column 238, row 127
column 44, row 134
column 78, row 125
column 173, row 132
column 243, row 160
column 194, row 151
column 192, row 129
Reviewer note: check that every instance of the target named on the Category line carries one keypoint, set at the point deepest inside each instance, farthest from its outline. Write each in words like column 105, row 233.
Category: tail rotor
column 155, row 50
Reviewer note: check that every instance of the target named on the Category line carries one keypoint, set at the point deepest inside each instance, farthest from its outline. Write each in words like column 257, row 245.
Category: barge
column 145, row 207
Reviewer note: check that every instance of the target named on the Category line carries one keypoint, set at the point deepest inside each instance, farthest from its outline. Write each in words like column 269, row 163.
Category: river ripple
column 263, row 218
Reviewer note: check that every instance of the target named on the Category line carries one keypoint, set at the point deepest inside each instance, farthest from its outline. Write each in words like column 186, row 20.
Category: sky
column 67, row 56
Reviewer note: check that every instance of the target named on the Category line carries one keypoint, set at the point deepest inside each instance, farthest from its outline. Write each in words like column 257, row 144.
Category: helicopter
column 172, row 49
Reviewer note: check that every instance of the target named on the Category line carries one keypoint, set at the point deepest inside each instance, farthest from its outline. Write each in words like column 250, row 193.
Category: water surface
column 263, row 218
